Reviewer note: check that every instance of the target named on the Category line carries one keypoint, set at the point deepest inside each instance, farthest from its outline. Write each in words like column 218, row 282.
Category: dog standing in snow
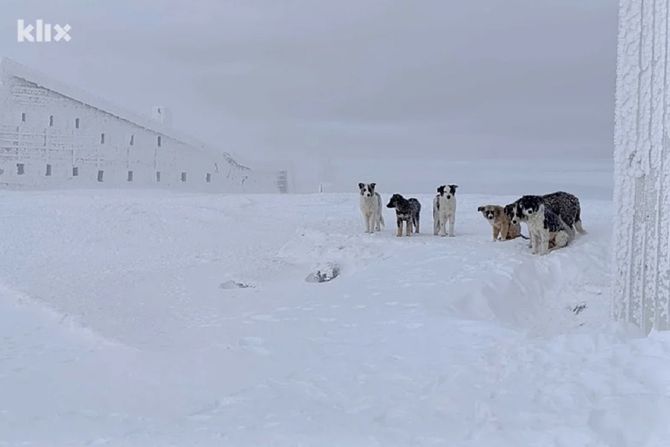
column 545, row 227
column 444, row 210
column 406, row 210
column 371, row 207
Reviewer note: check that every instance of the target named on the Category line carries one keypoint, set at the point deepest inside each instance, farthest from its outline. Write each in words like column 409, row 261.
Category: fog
column 294, row 79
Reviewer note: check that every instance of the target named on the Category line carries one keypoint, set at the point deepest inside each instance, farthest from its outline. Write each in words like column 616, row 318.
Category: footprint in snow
column 324, row 273
column 227, row 285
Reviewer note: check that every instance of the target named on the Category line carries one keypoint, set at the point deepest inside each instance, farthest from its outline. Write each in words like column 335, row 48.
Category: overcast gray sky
column 278, row 78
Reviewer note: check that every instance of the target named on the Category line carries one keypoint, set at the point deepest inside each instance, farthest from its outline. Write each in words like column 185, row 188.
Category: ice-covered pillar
column 641, row 284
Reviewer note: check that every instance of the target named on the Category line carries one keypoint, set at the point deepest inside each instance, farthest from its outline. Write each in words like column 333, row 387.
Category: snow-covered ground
column 122, row 323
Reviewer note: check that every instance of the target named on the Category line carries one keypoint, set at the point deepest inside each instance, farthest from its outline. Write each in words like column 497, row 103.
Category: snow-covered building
column 55, row 134
column 642, row 166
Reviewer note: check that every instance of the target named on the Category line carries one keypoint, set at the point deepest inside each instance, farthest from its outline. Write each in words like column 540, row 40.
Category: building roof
column 11, row 68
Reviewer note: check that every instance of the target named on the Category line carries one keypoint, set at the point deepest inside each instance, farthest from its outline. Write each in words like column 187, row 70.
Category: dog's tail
column 578, row 226
column 523, row 237
column 578, row 220
column 569, row 230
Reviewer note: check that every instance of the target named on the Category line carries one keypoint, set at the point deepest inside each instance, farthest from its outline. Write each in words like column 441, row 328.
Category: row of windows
column 131, row 141
column 21, row 170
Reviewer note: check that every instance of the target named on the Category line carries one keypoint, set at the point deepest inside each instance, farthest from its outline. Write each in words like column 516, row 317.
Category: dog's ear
column 440, row 189
column 361, row 185
column 372, row 185
column 480, row 209
column 453, row 187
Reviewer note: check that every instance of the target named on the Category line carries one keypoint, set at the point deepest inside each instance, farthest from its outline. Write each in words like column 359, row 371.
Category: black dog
column 407, row 211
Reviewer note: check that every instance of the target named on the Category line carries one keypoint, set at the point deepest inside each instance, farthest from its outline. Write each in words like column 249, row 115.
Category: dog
column 406, row 210
column 444, row 210
column 565, row 205
column 546, row 228
column 501, row 222
column 371, row 207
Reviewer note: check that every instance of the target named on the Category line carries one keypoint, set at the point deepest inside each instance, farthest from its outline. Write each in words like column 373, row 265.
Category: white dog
column 371, row 207
column 546, row 228
column 444, row 210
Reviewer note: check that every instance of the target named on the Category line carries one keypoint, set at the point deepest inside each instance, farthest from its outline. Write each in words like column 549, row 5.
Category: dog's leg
column 436, row 225
column 504, row 231
column 495, row 233
column 452, row 221
column 544, row 242
column 408, row 227
column 416, row 224
column 399, row 223
column 534, row 242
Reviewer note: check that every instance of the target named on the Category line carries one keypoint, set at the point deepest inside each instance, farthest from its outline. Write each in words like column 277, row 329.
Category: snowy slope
column 121, row 325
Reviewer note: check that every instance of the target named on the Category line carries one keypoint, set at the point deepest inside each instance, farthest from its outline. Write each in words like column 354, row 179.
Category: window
column 20, row 169
column 48, row 172
column 51, row 121
column 208, row 178
column 130, row 176
column 75, row 171
column 183, row 176
column 100, row 174
column 76, row 123
column 132, row 140
column 23, row 117
column 102, row 138
column 158, row 176
column 158, row 140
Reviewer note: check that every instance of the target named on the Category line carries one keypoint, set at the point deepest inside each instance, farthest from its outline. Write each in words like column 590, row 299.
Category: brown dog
column 501, row 224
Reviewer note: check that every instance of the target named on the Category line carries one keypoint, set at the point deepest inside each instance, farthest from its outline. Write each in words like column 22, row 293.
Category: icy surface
column 642, row 192
column 123, row 323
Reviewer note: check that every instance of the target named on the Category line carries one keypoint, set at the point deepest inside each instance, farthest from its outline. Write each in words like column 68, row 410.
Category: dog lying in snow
column 444, row 210
column 501, row 222
column 371, row 207
column 546, row 228
column 408, row 211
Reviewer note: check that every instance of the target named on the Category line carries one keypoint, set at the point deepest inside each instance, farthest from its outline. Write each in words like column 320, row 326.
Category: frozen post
column 641, row 284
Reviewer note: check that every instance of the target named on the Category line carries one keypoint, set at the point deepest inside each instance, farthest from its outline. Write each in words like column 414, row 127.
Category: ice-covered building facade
column 53, row 134
column 642, row 166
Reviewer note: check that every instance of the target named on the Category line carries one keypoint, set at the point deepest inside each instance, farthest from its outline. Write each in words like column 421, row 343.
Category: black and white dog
column 564, row 204
column 444, row 210
column 545, row 227
column 371, row 207
column 406, row 210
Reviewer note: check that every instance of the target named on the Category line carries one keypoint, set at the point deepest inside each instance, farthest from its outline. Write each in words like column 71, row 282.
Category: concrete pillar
column 641, row 284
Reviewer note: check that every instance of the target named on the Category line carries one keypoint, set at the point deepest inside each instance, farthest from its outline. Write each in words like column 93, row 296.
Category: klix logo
column 42, row 32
